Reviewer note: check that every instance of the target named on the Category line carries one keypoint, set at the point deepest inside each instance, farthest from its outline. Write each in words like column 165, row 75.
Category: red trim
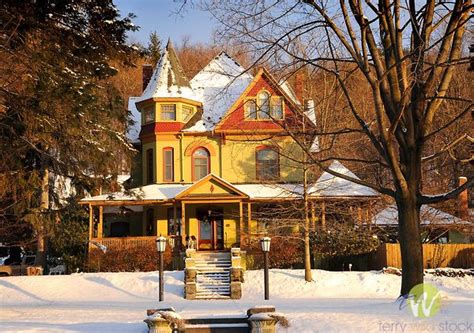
column 161, row 127
column 165, row 149
column 192, row 162
column 267, row 147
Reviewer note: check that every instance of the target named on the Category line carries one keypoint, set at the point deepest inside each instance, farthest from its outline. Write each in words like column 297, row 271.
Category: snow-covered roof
column 331, row 186
column 153, row 192
column 168, row 79
column 133, row 132
column 429, row 216
column 218, row 85
column 326, row 186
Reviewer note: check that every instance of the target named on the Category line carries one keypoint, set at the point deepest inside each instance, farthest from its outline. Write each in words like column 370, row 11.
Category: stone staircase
column 212, row 275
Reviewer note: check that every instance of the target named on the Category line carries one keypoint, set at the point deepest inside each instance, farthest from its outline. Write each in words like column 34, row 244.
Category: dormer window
column 264, row 107
column 168, row 112
column 149, row 114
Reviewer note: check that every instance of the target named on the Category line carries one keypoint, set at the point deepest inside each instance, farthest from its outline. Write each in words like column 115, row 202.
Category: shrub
column 285, row 252
column 131, row 259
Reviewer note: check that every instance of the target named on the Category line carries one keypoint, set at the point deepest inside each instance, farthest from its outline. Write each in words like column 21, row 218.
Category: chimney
column 462, row 200
column 147, row 72
column 299, row 85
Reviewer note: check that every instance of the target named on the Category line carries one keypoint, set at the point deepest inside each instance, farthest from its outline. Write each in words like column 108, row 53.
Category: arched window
column 267, row 163
column 263, row 104
column 200, row 163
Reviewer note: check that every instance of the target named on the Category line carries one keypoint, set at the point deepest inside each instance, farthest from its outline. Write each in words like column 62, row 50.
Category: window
column 149, row 113
column 187, row 112
column 149, row 167
column 200, row 163
column 263, row 103
column 168, row 112
column 174, row 229
column 168, row 164
column 264, row 107
column 267, row 163
column 276, row 107
column 250, row 108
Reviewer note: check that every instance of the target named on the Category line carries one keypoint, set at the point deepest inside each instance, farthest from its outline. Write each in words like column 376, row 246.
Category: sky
column 160, row 16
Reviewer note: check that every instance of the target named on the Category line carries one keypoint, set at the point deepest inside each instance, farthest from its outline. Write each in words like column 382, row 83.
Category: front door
column 211, row 229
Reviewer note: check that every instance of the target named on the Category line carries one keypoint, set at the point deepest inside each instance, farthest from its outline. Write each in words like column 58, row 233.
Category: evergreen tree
column 154, row 48
column 58, row 113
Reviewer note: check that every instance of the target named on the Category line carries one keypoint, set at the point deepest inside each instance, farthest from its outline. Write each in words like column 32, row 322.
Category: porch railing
column 125, row 242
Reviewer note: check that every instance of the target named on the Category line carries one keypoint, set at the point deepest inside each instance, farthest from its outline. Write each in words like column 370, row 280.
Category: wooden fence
column 434, row 255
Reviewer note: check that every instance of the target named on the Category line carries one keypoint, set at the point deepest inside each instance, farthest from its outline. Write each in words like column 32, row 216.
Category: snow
column 329, row 185
column 133, row 132
column 148, row 192
column 162, row 83
column 219, row 84
column 117, row 302
column 429, row 216
column 326, row 186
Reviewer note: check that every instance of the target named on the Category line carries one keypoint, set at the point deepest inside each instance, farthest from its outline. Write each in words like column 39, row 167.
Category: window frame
column 165, row 112
column 193, row 163
column 149, row 110
column 258, row 166
column 191, row 112
column 271, row 102
column 165, row 164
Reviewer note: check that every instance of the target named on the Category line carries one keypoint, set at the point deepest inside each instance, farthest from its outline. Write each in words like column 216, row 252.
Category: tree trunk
column 44, row 206
column 307, row 256
column 410, row 243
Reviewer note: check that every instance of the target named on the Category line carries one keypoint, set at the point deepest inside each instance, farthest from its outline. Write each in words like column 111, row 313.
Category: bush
column 285, row 252
column 131, row 259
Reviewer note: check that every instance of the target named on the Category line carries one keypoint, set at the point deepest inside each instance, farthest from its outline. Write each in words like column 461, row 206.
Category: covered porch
column 213, row 214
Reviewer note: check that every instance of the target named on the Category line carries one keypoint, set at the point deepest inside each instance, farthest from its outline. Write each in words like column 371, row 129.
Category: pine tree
column 154, row 48
column 58, row 113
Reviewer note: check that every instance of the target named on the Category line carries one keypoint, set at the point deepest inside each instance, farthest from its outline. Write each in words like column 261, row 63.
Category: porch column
column 323, row 215
column 183, row 220
column 241, row 220
column 91, row 222
column 100, row 228
column 249, row 218
column 359, row 215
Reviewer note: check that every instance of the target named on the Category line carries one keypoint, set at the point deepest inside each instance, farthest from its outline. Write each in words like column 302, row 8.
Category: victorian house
column 216, row 152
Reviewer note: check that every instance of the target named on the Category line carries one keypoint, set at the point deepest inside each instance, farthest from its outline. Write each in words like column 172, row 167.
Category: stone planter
column 262, row 323
column 157, row 324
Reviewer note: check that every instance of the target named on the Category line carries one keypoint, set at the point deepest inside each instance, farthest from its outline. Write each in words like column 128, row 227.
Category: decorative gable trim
column 262, row 73
column 209, row 179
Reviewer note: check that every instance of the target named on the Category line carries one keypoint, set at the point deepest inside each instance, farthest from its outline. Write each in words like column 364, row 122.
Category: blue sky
column 160, row 15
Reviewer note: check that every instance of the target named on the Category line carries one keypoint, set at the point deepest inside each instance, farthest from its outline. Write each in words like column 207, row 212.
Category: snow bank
column 334, row 302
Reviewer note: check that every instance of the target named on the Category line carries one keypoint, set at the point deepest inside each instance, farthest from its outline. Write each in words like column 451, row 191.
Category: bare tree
column 405, row 52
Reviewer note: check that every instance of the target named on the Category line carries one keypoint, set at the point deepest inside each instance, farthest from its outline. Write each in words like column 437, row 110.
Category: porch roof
column 428, row 215
column 325, row 187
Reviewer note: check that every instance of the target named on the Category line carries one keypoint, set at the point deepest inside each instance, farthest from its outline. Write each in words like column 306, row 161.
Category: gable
column 211, row 186
column 235, row 119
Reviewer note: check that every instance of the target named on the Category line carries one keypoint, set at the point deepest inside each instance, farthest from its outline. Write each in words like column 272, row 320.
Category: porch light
column 265, row 242
column 161, row 244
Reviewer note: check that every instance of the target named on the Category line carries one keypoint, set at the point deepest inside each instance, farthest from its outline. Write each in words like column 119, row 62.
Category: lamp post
column 265, row 242
column 161, row 247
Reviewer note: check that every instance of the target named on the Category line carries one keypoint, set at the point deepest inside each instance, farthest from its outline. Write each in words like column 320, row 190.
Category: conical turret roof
column 168, row 79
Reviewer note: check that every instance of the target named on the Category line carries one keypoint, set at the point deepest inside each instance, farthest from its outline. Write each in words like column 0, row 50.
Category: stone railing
column 190, row 273
column 236, row 274
column 260, row 319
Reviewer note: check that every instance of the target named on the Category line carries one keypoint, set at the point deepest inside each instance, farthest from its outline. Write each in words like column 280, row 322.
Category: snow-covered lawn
column 334, row 302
